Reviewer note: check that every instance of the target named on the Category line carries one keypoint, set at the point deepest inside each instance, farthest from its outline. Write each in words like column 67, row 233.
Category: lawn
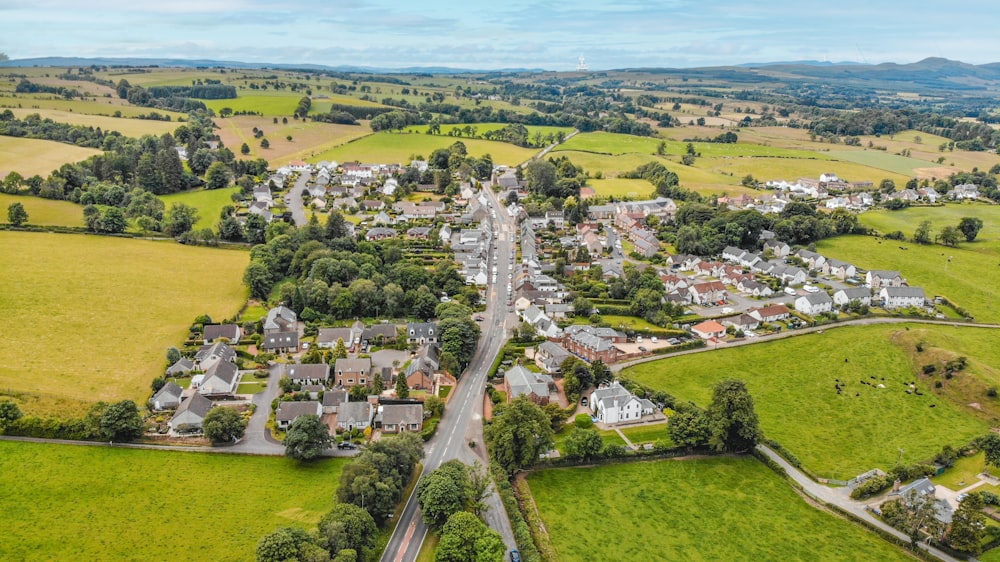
column 266, row 103
column 722, row 508
column 29, row 157
column 209, row 203
column 841, row 435
column 647, row 434
column 151, row 505
column 44, row 211
column 622, row 322
column 963, row 473
column 961, row 279
column 124, row 125
column 95, row 315
column 251, row 387
column 401, row 147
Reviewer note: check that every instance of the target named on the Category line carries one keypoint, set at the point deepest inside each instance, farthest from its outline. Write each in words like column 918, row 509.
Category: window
column 361, row 381
column 350, row 381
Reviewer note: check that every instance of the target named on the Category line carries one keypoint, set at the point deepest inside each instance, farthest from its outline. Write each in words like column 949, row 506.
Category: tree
column 282, row 544
column 914, row 514
column 121, row 422
column 464, row 537
column 584, row 444
column 336, row 226
column 443, row 492
column 223, row 425
column 378, row 384
column 732, row 420
column 258, row 279
column 307, row 438
column 173, row 355
column 402, row 387
column 245, row 149
column 347, row 527
column 340, row 350
column 264, row 143
column 887, row 186
column 180, row 218
column 541, row 176
column 990, row 444
column 113, row 221
column 9, row 413
column 969, row 226
column 218, row 176
column 689, row 429
column 518, row 433
column 16, row 215
column 923, row 233
column 948, row 236
column 968, row 526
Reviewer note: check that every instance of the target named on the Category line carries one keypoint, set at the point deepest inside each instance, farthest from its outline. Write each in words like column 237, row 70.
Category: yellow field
column 44, row 211
column 308, row 138
column 125, row 126
column 791, row 169
column 90, row 318
column 29, row 156
column 401, row 147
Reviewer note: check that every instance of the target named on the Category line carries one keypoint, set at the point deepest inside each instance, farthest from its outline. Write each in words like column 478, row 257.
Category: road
column 840, row 498
column 294, row 199
column 461, row 423
column 257, row 439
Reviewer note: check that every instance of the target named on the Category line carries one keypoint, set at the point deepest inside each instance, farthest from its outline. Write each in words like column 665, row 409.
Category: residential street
column 294, row 199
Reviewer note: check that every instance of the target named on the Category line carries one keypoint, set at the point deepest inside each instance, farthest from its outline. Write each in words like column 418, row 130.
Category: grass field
column 624, row 322
column 125, row 126
column 308, row 137
column 95, row 315
column 31, row 156
column 790, row 169
column 266, row 103
column 647, row 434
column 99, row 106
column 839, row 436
column 710, row 509
column 209, row 203
column 881, row 160
column 482, row 128
column 152, row 505
column 621, row 188
column 43, row 211
column 395, row 147
column 961, row 279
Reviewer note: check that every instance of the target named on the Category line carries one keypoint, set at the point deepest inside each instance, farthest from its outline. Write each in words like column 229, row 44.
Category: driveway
column 386, row 357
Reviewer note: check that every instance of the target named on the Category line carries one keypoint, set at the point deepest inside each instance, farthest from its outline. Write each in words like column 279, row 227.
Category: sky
column 496, row 34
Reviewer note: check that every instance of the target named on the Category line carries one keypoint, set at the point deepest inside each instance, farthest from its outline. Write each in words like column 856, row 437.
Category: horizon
column 551, row 36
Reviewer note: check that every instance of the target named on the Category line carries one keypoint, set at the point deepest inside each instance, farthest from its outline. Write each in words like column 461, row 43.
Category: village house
column 348, row 372
column 190, row 415
column 260, row 209
column 741, row 322
column 327, row 338
column 845, row 296
column 772, row 313
column 420, row 372
column 839, row 269
column 332, row 399
column 519, row 381
column 902, row 297
column 289, row 411
column 183, row 366
column 380, row 233
column 231, row 332
column 964, row 191
column 208, row 356
column 549, row 357
column 280, row 319
column 710, row 293
column 167, row 398
column 709, row 268
column 777, row 248
column 220, row 380
column 754, row 288
column 397, row 418
column 613, row 404
column 877, row 278
column 814, row 303
column 354, row 415
column 421, row 333
column 379, row 334
column 812, row 259
column 591, row 344
column 305, row 374
column 280, row 342
column 709, row 329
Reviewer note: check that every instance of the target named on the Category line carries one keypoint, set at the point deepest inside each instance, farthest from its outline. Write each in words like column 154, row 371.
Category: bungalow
column 812, row 259
column 741, row 322
column 420, row 372
column 231, row 332
column 964, row 191
column 280, row 319
column 771, row 313
column 354, row 415
column 327, row 338
column 845, row 296
column 167, row 398
column 709, row 268
column 397, row 418
column 190, row 414
column 733, row 254
column 317, row 373
column 685, row 262
column 549, row 356
column 349, row 372
column 280, row 342
column 902, row 297
column 839, row 269
column 183, row 366
column 288, row 412
column 709, row 329
column 383, row 218
column 379, row 334
column 519, row 381
column 421, row 333
column 814, row 303
column 878, row 278
column 260, row 209
column 419, row 233
column 924, row 487
column 380, row 233
column 372, row 205
column 332, row 399
column 210, row 355
column 709, row 293
column 614, row 404
column 220, row 380
column 751, row 287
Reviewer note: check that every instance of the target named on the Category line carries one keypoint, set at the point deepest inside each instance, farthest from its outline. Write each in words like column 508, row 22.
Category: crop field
column 95, row 315
column 621, row 188
column 266, row 103
column 100, row 106
column 881, row 160
column 43, row 211
column 841, row 435
column 790, row 169
column 126, row 126
column 308, row 137
column 209, row 203
column 396, row 147
column 130, row 504
column 721, row 508
column 31, row 156
column 956, row 273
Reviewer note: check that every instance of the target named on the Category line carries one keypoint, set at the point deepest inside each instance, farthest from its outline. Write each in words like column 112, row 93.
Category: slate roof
column 290, row 411
column 317, row 371
column 402, row 414
column 521, row 381
column 216, row 331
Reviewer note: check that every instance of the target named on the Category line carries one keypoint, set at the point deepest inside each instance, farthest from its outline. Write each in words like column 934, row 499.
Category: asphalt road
column 461, row 423
column 294, row 199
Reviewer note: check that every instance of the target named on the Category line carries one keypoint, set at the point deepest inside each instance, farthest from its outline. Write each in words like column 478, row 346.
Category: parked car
column 673, row 341
column 654, row 339
column 346, row 445
column 638, row 339
column 583, row 401
column 642, row 348
column 515, row 556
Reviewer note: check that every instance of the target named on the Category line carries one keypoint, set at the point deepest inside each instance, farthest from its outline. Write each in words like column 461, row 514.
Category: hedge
column 522, row 533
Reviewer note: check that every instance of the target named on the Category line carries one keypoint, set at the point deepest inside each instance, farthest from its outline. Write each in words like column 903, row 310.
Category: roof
column 708, row 327
column 290, row 411
column 353, row 365
column 855, row 293
column 384, row 330
column 884, row 273
column 278, row 318
column 817, row 298
column 216, row 331
column 196, row 404
column 307, row 372
column 331, row 335
column 402, row 414
column 521, row 381
column 903, row 292
column 553, row 349
column 606, row 395
column 421, row 330
column 354, row 412
column 280, row 339
column 183, row 365
column 217, row 350
column 334, row 398
column 773, row 310
column 224, row 371
column 169, row 390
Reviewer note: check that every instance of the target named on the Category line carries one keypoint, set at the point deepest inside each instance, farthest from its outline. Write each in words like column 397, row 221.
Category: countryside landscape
column 440, row 298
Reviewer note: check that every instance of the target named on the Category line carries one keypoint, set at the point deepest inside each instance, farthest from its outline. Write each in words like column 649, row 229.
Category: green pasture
column 43, row 211
column 209, row 203
column 401, row 147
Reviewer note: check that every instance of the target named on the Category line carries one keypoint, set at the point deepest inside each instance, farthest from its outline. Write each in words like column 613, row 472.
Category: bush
column 583, row 421
column 430, row 427
column 928, row 369
column 872, row 486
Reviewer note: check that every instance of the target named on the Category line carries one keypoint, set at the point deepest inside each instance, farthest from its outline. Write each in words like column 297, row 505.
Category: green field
column 841, row 435
column 101, row 106
column 647, row 434
column 621, row 322
column 209, row 203
column 612, row 143
column 265, row 103
column 396, row 147
column 961, row 279
column 125, row 126
column 94, row 315
column 43, row 211
column 790, row 169
column 621, row 188
column 127, row 504
column 722, row 508
column 881, row 160
column 29, row 157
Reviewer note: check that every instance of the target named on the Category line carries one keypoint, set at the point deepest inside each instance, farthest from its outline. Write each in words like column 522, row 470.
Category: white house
column 614, row 404
column 902, row 297
column 814, row 303
column 877, row 278
column 845, row 296
column 839, row 269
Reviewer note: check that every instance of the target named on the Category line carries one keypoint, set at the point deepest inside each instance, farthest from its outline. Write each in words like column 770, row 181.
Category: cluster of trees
column 223, row 425
column 876, row 121
column 666, row 183
column 968, row 227
column 16, row 214
column 729, row 425
column 25, row 86
column 451, row 488
column 455, row 161
column 556, row 178
column 307, row 438
column 578, row 375
column 375, row 479
column 518, row 433
column 35, row 127
column 346, row 534
column 200, row 91
column 137, row 95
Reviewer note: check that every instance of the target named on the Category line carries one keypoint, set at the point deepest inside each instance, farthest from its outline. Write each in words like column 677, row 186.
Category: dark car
column 515, row 556
column 642, row 348
column 346, row 445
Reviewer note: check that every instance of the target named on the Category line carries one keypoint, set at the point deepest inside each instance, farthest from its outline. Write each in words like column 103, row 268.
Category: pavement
column 295, row 204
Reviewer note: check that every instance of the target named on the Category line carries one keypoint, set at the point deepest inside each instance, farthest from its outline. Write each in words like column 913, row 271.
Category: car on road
column 643, row 348
column 515, row 556
column 346, row 445
column 811, row 288
column 673, row 341
column 583, row 401
column 654, row 339
column 479, row 318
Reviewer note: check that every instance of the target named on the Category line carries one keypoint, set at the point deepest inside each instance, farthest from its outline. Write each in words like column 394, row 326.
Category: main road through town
column 461, row 424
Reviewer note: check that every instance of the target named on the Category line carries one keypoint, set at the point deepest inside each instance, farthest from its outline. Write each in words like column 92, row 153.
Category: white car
column 811, row 289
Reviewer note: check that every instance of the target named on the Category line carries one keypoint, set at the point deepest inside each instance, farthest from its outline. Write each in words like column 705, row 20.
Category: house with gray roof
column 924, row 487
column 183, row 366
column 397, row 418
column 549, row 356
column 220, row 380
column 332, row 399
column 167, row 398
column 210, row 355
column 614, row 404
column 519, row 381
column 280, row 342
column 878, row 278
column 844, row 296
column 420, row 371
column 230, row 332
column 421, row 333
column 280, row 319
column 327, row 338
column 289, row 411
column 383, row 333
column 190, row 414
column 814, row 303
column 355, row 415
column 317, row 373
column 902, row 297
